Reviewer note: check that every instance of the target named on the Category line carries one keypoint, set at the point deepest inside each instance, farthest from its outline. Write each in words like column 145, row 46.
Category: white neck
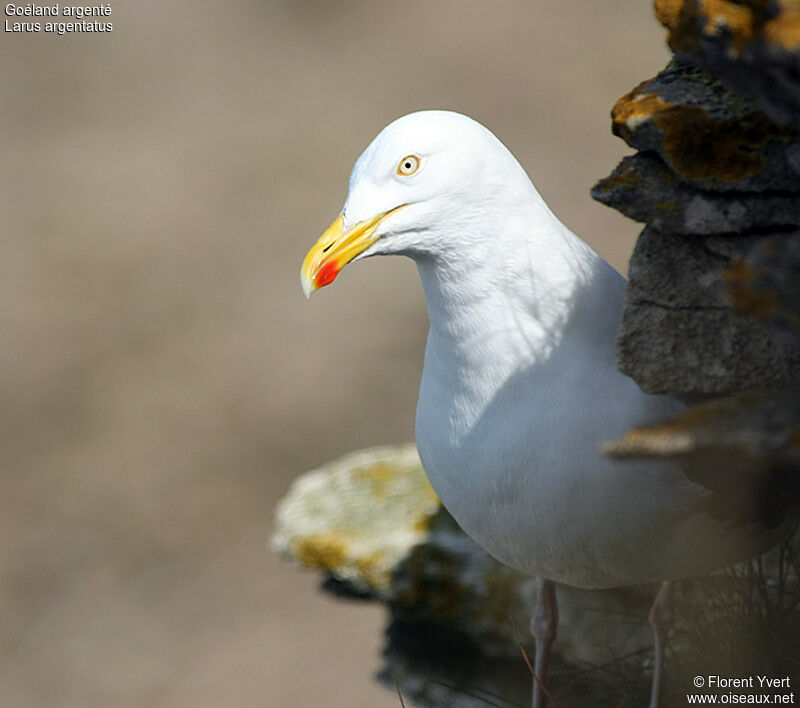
column 508, row 308
column 523, row 290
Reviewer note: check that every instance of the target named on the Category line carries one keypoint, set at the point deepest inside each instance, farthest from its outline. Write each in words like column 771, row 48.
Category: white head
column 427, row 186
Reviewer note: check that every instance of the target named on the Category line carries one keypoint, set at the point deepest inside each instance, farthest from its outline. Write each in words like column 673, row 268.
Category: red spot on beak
column 327, row 274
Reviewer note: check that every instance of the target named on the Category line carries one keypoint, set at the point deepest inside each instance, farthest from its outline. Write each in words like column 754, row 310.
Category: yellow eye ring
column 408, row 165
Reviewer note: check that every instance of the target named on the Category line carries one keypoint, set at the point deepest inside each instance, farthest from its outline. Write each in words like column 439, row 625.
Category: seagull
column 520, row 386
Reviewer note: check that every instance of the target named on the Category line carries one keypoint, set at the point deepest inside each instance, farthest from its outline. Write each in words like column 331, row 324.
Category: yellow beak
column 335, row 249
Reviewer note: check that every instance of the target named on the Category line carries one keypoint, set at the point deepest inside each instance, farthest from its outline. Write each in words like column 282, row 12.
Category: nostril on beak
column 325, row 250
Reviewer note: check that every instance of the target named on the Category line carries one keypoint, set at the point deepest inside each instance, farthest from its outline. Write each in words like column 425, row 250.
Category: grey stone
column 679, row 332
column 712, row 303
column 643, row 188
column 765, row 283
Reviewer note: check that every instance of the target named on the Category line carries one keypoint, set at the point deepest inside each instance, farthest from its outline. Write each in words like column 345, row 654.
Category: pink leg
column 544, row 623
column 661, row 621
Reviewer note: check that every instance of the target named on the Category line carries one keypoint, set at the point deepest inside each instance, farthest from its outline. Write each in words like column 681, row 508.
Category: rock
column 744, row 451
column 643, row 188
column 371, row 523
column 755, row 431
column 712, row 307
column 708, row 135
column 763, row 284
column 458, row 618
column 764, row 430
column 449, row 580
column 464, row 616
column 752, row 45
column 679, row 333
column 357, row 518
column 713, row 302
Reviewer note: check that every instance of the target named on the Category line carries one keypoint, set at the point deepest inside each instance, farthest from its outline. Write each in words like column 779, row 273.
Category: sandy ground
column 162, row 377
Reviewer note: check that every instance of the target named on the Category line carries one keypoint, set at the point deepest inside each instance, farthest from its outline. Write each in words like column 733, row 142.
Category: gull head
column 429, row 185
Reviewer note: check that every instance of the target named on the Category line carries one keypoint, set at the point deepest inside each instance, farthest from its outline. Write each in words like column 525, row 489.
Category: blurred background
column 162, row 377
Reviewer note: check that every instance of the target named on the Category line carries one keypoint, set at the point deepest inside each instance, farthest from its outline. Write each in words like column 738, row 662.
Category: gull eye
column 408, row 166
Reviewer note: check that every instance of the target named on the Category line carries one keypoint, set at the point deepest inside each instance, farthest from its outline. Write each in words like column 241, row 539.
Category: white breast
column 510, row 437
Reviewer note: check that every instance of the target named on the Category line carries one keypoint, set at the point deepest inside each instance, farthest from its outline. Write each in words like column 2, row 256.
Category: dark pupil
column 408, row 165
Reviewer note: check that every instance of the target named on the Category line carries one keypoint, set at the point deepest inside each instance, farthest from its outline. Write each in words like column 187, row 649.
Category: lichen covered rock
column 752, row 45
column 681, row 332
column 763, row 283
column 371, row 522
column 757, row 431
column 358, row 517
column 372, row 525
column 713, row 300
column 644, row 189
column 707, row 134
column 744, row 451
column 459, row 619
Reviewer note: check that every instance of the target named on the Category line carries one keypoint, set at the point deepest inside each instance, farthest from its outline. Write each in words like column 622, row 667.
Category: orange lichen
column 747, row 21
column 378, row 476
column 747, row 298
column 668, row 205
column 679, row 435
column 684, row 422
column 625, row 177
column 633, row 108
column 373, row 569
column 668, row 12
column 322, row 550
column 381, row 473
column 794, row 438
column 785, row 30
column 700, row 147
column 738, row 19
column 423, row 523
column 696, row 145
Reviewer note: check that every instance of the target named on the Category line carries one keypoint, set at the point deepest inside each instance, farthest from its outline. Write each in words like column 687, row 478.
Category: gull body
column 520, row 385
